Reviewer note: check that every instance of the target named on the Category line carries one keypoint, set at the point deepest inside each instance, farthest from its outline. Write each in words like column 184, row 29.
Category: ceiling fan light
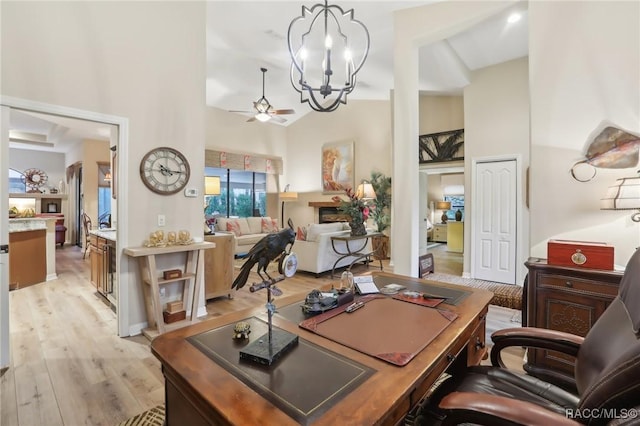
column 263, row 117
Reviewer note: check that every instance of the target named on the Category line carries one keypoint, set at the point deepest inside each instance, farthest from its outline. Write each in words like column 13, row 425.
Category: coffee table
column 210, row 386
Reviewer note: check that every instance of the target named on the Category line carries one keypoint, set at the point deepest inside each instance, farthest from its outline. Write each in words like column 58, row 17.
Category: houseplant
column 382, row 186
column 357, row 209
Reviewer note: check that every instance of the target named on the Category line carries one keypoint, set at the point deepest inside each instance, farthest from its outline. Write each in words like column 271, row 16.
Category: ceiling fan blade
column 251, row 119
column 282, row 111
column 278, row 119
column 241, row 112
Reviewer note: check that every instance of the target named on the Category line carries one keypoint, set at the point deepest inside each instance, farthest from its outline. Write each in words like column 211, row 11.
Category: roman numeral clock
column 165, row 170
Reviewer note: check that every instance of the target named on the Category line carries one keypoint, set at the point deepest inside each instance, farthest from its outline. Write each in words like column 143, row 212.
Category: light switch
column 191, row 192
column 161, row 220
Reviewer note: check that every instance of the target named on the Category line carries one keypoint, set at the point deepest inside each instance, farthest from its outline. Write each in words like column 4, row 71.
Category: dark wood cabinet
column 564, row 299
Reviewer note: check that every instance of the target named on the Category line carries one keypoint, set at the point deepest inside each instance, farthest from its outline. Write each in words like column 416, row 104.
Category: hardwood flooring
column 68, row 367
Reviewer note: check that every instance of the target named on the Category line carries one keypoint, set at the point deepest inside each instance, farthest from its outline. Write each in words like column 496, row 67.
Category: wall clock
column 165, row 170
column 34, row 179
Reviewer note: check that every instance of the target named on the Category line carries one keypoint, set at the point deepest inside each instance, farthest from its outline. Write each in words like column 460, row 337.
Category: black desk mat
column 304, row 383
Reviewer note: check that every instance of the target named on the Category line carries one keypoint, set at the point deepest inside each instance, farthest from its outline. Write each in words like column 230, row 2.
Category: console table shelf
column 152, row 279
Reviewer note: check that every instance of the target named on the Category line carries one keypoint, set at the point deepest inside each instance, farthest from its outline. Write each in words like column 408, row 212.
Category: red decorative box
column 173, row 317
column 580, row 254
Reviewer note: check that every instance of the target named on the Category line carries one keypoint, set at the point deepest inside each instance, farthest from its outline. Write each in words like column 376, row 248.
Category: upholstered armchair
column 607, row 374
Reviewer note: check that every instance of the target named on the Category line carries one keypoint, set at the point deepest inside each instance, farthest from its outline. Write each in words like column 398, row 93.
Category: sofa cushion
column 250, row 239
column 254, row 225
column 269, row 225
column 315, row 229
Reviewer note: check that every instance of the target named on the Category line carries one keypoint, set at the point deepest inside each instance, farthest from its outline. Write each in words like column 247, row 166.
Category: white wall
column 440, row 113
column 584, row 70
column 52, row 163
column 144, row 61
column 496, row 116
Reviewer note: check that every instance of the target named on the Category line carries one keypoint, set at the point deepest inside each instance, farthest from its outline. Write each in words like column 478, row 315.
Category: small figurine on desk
column 268, row 348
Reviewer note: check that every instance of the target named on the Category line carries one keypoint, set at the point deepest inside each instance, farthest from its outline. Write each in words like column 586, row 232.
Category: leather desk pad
column 386, row 328
column 304, row 383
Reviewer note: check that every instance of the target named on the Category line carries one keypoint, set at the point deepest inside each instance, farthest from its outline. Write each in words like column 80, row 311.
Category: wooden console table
column 357, row 252
column 152, row 280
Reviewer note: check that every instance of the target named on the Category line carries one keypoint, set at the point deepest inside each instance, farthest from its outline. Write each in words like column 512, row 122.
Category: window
column 16, row 182
column 242, row 193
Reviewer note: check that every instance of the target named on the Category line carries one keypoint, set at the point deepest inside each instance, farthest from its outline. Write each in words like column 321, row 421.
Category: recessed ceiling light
column 514, row 17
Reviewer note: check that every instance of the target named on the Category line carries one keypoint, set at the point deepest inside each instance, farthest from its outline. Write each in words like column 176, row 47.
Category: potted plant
column 357, row 209
column 381, row 213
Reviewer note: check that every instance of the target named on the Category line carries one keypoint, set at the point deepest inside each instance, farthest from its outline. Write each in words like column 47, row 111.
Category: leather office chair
column 607, row 374
column 86, row 226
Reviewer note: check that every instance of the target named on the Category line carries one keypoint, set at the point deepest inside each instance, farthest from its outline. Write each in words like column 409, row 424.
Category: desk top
column 385, row 395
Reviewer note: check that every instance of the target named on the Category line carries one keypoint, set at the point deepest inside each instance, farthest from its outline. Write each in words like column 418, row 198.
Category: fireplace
column 331, row 214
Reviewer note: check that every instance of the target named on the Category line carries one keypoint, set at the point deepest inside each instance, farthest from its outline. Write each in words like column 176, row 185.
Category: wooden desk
column 356, row 251
column 200, row 391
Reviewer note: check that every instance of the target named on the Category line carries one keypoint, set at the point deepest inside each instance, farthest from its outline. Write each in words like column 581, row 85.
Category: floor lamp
column 286, row 196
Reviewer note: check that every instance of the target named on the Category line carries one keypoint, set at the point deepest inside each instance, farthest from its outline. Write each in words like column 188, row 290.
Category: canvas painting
column 337, row 167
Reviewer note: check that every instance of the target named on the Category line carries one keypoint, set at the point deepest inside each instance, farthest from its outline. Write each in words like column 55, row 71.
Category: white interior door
column 4, row 238
column 494, row 227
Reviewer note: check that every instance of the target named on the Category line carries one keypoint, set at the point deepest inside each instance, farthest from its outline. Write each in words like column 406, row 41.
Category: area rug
column 153, row 417
column 505, row 295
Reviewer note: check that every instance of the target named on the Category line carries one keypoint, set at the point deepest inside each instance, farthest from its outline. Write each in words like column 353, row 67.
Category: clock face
column 165, row 170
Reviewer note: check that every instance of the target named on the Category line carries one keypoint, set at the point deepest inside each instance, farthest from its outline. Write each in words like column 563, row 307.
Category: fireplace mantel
column 323, row 204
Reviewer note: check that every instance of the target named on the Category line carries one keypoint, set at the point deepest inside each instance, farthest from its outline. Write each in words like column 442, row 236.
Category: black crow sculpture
column 269, row 248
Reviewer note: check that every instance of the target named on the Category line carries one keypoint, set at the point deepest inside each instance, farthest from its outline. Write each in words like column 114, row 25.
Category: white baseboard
column 136, row 329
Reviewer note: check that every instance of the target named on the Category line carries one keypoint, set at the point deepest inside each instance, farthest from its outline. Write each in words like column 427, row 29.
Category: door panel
column 4, row 238
column 495, row 239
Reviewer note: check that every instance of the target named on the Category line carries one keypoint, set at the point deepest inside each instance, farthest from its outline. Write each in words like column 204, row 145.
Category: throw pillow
column 301, row 234
column 269, row 225
column 234, row 227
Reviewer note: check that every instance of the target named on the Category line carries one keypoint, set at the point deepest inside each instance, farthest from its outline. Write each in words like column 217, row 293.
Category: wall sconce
column 444, row 206
column 365, row 191
column 623, row 195
column 315, row 73
column 285, row 197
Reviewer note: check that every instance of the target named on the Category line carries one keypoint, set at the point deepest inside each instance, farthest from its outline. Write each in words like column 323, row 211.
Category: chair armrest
column 533, row 337
column 497, row 410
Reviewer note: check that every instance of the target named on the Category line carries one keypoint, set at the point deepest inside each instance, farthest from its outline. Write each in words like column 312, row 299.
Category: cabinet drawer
column 581, row 285
column 476, row 348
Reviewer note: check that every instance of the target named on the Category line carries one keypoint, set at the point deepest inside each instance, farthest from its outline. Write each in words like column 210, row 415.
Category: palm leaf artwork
column 442, row 146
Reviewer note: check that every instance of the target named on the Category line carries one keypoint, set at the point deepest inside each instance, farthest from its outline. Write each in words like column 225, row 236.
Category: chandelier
column 323, row 80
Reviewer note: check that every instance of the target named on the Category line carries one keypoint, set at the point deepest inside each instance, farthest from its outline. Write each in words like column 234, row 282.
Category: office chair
column 607, row 374
column 86, row 225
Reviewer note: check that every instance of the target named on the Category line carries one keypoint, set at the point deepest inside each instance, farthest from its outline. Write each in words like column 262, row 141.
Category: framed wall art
column 338, row 167
column 442, row 146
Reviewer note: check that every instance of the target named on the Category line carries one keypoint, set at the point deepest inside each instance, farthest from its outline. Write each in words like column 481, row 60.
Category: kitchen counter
column 30, row 224
column 106, row 233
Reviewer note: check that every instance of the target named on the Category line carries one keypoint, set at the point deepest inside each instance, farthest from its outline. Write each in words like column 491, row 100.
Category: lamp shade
column 443, row 205
column 623, row 195
column 365, row 191
column 288, row 196
column 212, row 185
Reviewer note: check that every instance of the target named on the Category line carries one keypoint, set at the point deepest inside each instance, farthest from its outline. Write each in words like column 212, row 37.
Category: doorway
column 119, row 138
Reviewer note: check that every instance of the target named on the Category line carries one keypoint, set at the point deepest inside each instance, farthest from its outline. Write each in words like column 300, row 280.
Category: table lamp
column 444, row 206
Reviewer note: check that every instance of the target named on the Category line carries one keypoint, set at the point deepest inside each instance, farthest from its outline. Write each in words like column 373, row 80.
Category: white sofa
column 251, row 230
column 316, row 255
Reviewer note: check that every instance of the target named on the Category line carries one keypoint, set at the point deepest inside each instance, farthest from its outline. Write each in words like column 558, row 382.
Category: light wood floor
column 68, row 367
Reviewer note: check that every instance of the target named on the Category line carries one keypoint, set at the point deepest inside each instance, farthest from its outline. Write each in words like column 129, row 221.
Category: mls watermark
column 601, row 413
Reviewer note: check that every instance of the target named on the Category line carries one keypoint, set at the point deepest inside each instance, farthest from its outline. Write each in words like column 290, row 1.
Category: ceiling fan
column 264, row 110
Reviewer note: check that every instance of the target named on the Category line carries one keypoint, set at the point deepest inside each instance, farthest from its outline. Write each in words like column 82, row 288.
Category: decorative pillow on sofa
column 234, row 226
column 301, row 234
column 269, row 225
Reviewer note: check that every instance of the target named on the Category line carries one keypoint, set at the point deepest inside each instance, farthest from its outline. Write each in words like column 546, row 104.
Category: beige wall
column 440, row 113
column 144, row 61
column 580, row 78
column 366, row 123
column 496, row 116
